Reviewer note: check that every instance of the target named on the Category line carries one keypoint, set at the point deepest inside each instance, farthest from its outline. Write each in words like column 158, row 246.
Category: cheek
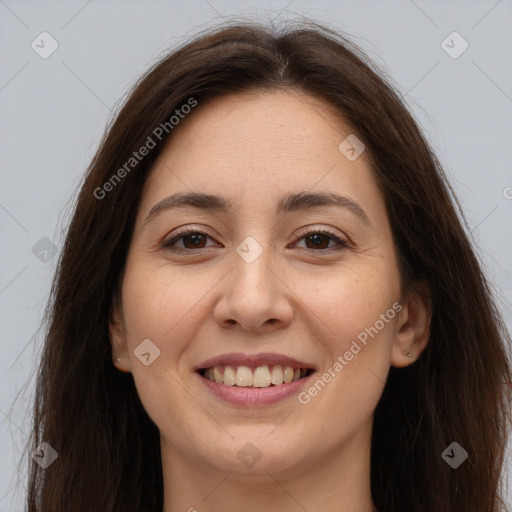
column 350, row 303
column 358, row 318
column 161, row 306
column 363, row 318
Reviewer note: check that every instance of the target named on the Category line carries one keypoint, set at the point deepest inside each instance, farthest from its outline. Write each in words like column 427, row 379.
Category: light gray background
column 53, row 113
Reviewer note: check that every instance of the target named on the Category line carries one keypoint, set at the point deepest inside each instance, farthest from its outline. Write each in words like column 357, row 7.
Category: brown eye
column 191, row 239
column 195, row 240
column 320, row 240
column 314, row 240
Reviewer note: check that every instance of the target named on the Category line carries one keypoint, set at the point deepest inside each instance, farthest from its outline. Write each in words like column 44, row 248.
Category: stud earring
column 116, row 361
column 408, row 354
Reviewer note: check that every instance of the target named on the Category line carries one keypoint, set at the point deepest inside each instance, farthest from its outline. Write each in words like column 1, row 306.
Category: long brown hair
column 458, row 391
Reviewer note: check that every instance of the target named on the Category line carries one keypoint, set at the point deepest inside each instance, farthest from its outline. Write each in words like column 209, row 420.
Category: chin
column 254, row 452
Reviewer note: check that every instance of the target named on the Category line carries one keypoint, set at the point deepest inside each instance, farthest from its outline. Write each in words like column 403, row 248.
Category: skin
column 294, row 299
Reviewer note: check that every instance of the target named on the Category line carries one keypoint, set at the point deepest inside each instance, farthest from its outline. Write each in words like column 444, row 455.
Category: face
column 263, row 281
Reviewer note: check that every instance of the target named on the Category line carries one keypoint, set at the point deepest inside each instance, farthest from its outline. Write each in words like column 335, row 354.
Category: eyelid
column 321, row 229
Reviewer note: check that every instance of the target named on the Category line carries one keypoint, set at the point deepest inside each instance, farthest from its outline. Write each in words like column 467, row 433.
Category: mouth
column 253, row 380
column 261, row 376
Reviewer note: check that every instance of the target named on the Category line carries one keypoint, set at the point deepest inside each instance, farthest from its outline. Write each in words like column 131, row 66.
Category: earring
column 408, row 354
column 116, row 361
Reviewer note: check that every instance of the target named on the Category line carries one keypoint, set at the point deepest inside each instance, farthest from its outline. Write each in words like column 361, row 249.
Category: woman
column 266, row 300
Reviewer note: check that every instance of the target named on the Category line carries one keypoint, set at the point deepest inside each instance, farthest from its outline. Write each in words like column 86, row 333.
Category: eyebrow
column 290, row 203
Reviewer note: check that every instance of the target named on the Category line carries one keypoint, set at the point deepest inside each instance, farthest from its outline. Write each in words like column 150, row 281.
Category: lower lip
column 254, row 397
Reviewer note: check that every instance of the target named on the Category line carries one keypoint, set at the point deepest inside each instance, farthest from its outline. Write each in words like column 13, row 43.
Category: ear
column 413, row 326
column 117, row 336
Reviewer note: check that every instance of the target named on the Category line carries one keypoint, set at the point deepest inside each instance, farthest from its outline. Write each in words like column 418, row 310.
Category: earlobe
column 413, row 327
column 117, row 337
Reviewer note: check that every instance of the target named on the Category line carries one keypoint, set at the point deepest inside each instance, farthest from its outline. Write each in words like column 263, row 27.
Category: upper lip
column 253, row 360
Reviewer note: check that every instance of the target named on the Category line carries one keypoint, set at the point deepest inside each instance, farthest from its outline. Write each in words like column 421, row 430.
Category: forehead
column 267, row 125
column 261, row 143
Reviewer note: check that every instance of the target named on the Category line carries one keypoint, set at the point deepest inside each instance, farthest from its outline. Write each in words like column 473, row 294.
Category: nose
column 255, row 297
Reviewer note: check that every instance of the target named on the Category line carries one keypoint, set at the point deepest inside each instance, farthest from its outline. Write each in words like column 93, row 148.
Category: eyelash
column 343, row 244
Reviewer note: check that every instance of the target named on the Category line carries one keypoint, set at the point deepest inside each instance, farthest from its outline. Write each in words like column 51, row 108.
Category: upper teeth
column 262, row 377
